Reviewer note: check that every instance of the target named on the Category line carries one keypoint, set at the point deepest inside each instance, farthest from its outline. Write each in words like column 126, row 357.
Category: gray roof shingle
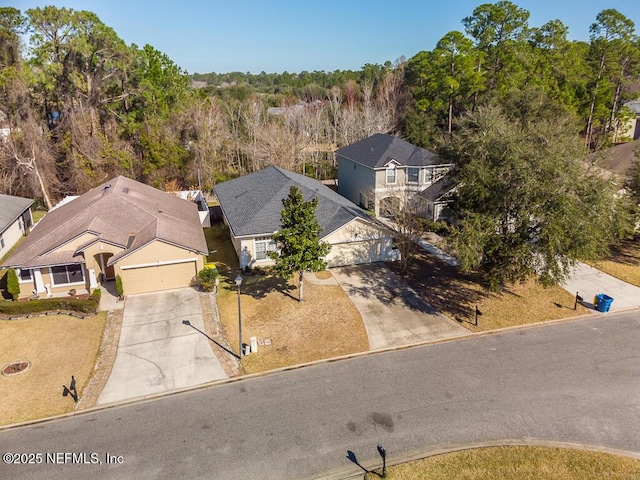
column 252, row 203
column 113, row 211
column 11, row 208
column 379, row 149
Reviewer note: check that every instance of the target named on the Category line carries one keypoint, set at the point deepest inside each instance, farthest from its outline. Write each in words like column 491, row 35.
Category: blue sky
column 278, row 35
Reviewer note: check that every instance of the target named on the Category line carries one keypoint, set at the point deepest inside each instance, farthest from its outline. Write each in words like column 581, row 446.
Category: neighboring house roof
column 438, row 191
column 617, row 159
column 122, row 212
column 252, row 203
column 11, row 208
column 378, row 150
column 634, row 105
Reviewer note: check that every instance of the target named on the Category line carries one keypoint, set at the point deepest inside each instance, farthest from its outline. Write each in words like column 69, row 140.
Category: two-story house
column 382, row 171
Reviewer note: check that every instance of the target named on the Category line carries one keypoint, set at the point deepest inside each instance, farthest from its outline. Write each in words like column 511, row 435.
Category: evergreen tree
column 299, row 245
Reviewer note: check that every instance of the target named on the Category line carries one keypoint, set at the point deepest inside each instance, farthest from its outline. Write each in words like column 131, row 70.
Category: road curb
column 225, row 381
column 357, row 473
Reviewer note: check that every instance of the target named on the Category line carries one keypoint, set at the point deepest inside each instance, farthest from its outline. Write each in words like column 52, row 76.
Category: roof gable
column 379, row 149
column 114, row 211
column 11, row 208
column 252, row 203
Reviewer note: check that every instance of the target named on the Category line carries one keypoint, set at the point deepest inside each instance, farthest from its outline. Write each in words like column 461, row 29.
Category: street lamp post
column 238, row 283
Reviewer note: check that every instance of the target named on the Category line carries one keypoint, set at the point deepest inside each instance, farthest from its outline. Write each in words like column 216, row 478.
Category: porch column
column 37, row 276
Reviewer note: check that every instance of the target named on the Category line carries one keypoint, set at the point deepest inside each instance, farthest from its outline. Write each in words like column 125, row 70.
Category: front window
column 264, row 245
column 25, row 275
column 391, row 174
column 64, row 274
column 413, row 174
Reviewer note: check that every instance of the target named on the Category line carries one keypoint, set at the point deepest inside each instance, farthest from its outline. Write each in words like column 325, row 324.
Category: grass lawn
column 326, row 324
column 57, row 347
column 516, row 463
column 623, row 262
column 456, row 294
column 37, row 215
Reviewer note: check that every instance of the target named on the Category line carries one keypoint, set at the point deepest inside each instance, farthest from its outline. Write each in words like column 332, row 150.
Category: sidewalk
column 588, row 282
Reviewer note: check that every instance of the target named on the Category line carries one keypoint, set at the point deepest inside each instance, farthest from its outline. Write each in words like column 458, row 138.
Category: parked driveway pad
column 393, row 314
column 157, row 352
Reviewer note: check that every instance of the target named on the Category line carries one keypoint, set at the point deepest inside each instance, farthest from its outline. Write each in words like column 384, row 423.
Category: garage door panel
column 158, row 277
column 353, row 253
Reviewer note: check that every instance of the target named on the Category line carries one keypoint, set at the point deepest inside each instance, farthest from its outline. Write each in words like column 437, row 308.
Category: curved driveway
column 393, row 314
column 575, row 381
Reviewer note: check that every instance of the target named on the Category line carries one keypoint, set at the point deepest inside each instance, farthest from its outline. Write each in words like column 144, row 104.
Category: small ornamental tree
column 119, row 288
column 299, row 245
column 208, row 277
column 13, row 287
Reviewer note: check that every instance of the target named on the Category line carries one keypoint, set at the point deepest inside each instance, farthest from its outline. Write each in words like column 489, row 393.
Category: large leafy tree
column 299, row 245
column 526, row 205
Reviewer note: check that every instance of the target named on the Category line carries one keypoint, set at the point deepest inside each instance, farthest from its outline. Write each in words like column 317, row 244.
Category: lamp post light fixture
column 383, row 453
column 238, row 281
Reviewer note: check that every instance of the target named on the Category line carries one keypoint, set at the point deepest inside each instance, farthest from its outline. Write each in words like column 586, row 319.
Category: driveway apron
column 392, row 312
column 588, row 282
column 157, row 352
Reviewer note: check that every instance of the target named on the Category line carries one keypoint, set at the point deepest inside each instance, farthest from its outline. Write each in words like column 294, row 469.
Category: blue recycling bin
column 603, row 302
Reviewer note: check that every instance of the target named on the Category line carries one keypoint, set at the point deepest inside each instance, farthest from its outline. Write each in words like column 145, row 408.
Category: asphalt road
column 577, row 382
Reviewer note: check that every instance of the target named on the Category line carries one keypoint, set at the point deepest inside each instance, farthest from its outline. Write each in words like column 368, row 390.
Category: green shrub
column 13, row 287
column 49, row 305
column 208, row 278
column 96, row 295
column 119, row 288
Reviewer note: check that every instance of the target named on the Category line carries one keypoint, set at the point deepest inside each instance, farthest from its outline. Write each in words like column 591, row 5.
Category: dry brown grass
column 456, row 294
column 517, row 463
column 325, row 325
column 623, row 262
column 57, row 347
column 323, row 275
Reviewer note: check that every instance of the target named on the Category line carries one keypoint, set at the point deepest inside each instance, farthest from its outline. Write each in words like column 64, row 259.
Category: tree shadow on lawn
column 259, row 285
column 446, row 288
column 626, row 253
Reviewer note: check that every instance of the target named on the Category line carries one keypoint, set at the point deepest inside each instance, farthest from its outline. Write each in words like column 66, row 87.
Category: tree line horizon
column 82, row 105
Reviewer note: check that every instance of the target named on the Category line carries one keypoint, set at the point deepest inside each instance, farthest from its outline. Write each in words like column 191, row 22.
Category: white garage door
column 158, row 277
column 352, row 253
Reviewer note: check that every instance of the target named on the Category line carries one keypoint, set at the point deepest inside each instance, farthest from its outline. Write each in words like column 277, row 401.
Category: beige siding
column 73, row 244
column 163, row 277
column 92, row 255
column 146, row 277
column 357, row 242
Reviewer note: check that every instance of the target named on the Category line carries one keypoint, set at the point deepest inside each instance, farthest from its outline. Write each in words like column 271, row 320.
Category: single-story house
column 251, row 206
column 151, row 239
column 15, row 220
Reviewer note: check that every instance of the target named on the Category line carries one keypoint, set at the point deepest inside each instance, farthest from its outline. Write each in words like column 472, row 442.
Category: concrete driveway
column 156, row 351
column 588, row 282
column 393, row 313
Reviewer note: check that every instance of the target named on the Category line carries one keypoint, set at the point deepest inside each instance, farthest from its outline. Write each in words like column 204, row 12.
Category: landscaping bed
column 49, row 306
